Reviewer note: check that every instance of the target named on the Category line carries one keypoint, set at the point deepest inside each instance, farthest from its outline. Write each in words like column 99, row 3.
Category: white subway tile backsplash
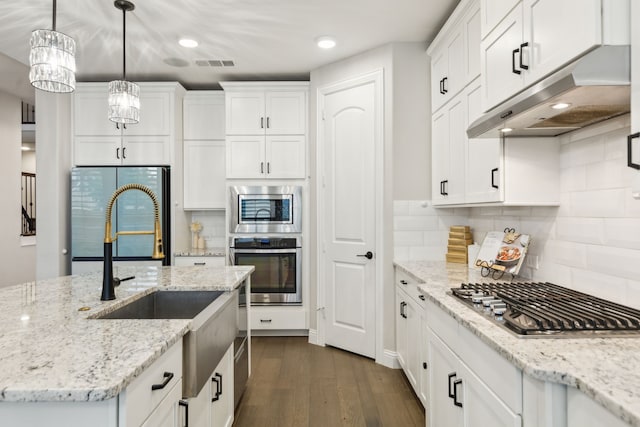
column 427, row 253
column 598, row 203
column 601, row 285
column 573, row 179
column 590, row 150
column 633, row 294
column 408, row 238
column 615, row 261
column 616, row 145
column 622, row 232
column 516, row 211
column 580, row 230
column 566, row 253
column 401, row 253
column 401, row 207
column 435, row 238
column 421, row 208
column 418, row 223
column 606, row 174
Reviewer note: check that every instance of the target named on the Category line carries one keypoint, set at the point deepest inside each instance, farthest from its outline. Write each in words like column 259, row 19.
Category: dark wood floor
column 297, row 384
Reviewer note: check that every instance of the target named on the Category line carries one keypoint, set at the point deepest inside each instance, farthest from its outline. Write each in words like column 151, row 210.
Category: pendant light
column 124, row 96
column 52, row 60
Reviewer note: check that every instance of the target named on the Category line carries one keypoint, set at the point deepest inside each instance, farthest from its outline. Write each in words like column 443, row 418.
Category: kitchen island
column 52, row 349
column 604, row 369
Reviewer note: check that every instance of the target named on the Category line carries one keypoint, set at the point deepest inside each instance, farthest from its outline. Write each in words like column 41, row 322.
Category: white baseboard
column 389, row 359
column 313, row 337
column 279, row 332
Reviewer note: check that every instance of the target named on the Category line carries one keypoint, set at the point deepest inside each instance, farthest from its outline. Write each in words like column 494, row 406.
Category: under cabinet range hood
column 596, row 87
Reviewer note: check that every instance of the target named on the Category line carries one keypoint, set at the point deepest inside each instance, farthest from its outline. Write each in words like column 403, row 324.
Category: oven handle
column 264, row 251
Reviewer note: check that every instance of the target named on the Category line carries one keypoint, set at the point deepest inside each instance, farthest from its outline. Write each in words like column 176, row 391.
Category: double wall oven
column 265, row 228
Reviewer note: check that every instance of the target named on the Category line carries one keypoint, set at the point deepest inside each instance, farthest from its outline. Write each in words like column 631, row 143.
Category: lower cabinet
column 278, row 318
column 214, row 405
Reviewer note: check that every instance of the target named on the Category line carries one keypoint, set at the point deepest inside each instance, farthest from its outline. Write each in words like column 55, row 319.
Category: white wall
column 28, row 161
column 213, row 231
column 17, row 262
column 590, row 243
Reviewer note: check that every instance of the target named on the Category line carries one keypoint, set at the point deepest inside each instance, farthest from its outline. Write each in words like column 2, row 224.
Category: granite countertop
column 51, row 351
column 217, row 252
column 606, row 369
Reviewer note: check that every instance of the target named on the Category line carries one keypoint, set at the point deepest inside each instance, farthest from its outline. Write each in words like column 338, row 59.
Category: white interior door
column 349, row 215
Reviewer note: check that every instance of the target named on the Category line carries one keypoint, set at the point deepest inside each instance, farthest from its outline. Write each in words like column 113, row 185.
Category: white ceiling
column 267, row 39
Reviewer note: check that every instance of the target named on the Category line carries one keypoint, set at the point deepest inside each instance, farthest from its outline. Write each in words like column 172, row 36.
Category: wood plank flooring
column 296, row 384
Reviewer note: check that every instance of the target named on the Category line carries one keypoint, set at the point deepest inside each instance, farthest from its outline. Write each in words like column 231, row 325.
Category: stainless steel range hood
column 596, row 87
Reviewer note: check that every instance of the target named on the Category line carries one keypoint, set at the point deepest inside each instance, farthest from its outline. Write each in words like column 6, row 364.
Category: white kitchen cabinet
column 204, row 115
column 221, row 392
column 278, row 318
column 582, row 411
column 209, row 261
column 492, row 12
column 469, row 383
column 539, row 36
column 455, row 59
column 97, row 141
column 448, row 153
column 253, row 156
column 167, row 413
column 408, row 331
column 266, row 128
column 204, row 175
column 634, row 137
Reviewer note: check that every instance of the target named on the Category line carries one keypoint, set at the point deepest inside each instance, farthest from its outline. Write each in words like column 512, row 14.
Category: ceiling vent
column 215, row 63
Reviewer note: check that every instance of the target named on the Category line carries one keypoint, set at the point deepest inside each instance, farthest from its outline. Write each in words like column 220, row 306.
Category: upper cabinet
column 97, row 141
column 266, row 128
column 455, row 57
column 527, row 40
column 204, row 150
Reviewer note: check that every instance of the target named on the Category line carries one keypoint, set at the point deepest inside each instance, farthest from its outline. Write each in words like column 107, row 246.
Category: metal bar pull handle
column 261, row 122
column 199, row 263
column 402, row 306
column 186, row 411
column 268, row 126
column 167, row 377
column 445, row 190
column 444, row 88
column 493, row 176
column 513, row 62
column 630, row 162
column 124, row 152
column 118, row 153
column 441, row 84
column 451, row 376
column 522, row 46
column 219, row 376
column 265, row 320
column 456, row 402
column 261, row 167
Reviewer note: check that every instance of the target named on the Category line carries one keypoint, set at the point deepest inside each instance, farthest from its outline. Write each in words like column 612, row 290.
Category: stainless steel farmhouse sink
column 212, row 330
column 165, row 305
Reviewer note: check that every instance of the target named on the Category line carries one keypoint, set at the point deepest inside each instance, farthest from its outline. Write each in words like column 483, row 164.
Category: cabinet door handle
column 451, row 376
column 441, row 92
column 402, row 312
column 199, row 263
column 422, row 297
column 124, row 152
column 267, row 122
column 167, row 377
column 444, row 88
column 217, row 378
column 456, row 402
column 445, row 184
column 630, row 139
column 513, row 62
column 442, row 188
column 268, row 167
column 404, row 282
column 493, row 182
column 265, row 320
column 261, row 122
column 261, row 167
column 522, row 46
column 118, row 153
column 186, row 411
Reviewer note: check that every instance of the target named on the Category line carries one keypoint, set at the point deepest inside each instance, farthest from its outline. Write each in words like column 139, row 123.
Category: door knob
column 368, row 255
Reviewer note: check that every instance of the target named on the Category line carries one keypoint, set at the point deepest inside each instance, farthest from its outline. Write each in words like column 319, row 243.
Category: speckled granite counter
column 51, row 351
column 606, row 369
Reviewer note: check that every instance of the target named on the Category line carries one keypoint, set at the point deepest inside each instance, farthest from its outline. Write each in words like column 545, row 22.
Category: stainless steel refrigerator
column 91, row 189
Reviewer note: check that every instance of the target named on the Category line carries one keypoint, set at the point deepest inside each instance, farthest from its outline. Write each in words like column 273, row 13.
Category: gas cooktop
column 548, row 310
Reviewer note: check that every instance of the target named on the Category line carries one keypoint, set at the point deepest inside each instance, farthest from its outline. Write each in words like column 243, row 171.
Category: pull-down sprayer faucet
column 108, row 292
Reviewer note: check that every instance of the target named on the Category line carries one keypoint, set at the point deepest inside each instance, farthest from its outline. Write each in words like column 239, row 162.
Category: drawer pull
column 265, row 320
column 199, row 263
column 167, row 377
column 451, row 392
column 630, row 162
column 456, row 402
column 404, row 282
column 218, row 380
column 186, row 411
column 422, row 297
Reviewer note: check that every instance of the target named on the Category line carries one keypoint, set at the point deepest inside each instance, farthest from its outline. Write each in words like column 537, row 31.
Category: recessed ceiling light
column 506, row 130
column 188, row 43
column 326, row 42
column 560, row 106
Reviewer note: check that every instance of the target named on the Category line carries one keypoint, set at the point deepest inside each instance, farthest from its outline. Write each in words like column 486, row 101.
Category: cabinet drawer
column 283, row 318
column 443, row 325
column 208, row 261
column 410, row 285
column 139, row 400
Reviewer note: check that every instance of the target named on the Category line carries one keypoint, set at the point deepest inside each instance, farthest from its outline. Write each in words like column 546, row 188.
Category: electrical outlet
column 533, row 262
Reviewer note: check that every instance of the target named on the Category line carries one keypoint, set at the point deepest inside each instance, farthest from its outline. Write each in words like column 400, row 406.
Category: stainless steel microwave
column 265, row 209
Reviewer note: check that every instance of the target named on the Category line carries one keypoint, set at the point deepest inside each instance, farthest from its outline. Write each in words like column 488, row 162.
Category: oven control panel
column 265, row 242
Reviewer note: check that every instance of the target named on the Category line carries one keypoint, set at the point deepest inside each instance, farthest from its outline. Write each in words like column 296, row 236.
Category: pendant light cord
column 124, row 44
column 54, row 15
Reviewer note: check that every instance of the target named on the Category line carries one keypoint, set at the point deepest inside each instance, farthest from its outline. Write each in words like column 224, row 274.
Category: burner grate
column 545, row 308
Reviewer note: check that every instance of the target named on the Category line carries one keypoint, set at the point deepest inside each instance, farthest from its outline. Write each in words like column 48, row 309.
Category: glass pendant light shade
column 53, row 60
column 124, row 96
column 124, row 102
